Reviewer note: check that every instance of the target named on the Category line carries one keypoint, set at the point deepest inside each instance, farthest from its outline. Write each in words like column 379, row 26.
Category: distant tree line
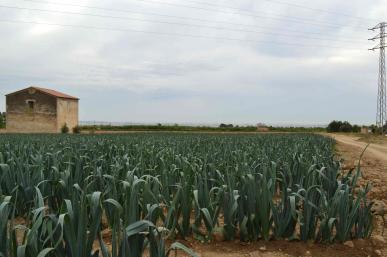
column 2, row 119
column 343, row 126
column 226, row 125
column 376, row 130
column 346, row 127
column 167, row 128
column 297, row 129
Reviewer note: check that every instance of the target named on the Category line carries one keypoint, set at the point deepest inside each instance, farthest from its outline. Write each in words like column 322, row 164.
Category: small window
column 31, row 104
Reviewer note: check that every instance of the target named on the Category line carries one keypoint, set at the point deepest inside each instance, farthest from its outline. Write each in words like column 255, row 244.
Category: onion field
column 127, row 195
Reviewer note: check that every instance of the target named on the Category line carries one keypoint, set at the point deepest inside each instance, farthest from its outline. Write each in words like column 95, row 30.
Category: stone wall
column 67, row 110
column 21, row 118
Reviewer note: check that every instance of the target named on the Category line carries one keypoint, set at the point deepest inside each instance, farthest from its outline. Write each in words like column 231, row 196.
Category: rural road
column 377, row 151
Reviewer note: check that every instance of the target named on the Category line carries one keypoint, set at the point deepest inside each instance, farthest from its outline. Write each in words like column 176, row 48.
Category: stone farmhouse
column 40, row 110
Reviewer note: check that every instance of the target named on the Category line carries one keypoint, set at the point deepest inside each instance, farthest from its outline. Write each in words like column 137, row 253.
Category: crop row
column 83, row 196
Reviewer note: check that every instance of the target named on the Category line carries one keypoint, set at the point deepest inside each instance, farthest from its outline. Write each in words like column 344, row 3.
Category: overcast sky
column 254, row 61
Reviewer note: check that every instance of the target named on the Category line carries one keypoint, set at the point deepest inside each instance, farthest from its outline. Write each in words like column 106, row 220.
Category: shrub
column 334, row 126
column 2, row 120
column 226, row 125
column 76, row 129
column 340, row 126
column 356, row 129
column 65, row 129
column 346, row 127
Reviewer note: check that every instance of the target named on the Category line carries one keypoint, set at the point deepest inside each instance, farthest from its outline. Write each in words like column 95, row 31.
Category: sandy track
column 373, row 164
column 377, row 151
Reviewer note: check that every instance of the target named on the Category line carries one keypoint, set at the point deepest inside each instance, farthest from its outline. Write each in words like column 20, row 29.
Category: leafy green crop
column 122, row 195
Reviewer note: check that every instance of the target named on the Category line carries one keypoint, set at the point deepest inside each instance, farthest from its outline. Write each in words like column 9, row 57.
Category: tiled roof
column 55, row 93
column 50, row 92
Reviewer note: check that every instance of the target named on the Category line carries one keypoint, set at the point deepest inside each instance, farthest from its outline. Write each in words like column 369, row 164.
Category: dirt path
column 376, row 151
column 374, row 162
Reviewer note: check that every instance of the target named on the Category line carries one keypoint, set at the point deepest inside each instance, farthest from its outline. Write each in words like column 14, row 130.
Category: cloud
column 288, row 70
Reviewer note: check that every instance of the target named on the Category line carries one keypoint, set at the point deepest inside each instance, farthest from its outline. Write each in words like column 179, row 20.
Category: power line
column 253, row 14
column 285, row 3
column 289, row 19
column 318, row 10
column 222, row 6
column 178, row 35
column 174, row 23
column 162, row 15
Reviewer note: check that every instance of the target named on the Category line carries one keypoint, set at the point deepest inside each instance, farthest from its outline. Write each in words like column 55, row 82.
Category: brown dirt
column 373, row 163
column 281, row 249
column 371, row 138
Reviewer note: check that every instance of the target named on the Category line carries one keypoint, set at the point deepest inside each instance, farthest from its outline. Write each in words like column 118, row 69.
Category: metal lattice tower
column 381, row 115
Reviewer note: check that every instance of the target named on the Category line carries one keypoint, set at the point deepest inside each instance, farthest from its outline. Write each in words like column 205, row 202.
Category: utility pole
column 381, row 115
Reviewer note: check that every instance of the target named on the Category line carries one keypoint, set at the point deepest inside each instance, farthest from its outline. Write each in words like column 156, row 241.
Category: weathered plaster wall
column 67, row 110
column 21, row 119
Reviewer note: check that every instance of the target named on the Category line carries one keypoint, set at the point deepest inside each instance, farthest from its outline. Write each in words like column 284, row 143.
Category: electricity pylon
column 381, row 114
